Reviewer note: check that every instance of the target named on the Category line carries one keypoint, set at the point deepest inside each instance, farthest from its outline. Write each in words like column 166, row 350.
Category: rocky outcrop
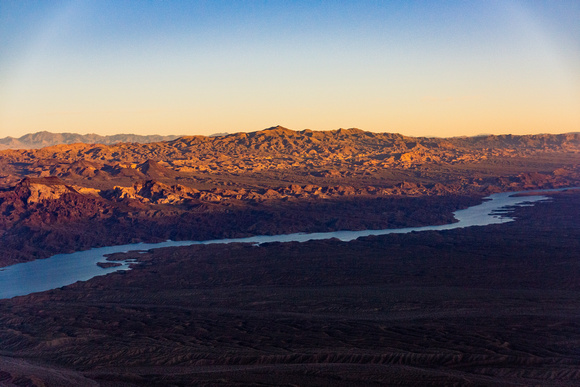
column 37, row 202
column 32, row 191
column 151, row 191
column 155, row 170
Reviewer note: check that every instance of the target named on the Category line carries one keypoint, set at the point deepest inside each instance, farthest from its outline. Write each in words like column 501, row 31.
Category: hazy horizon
column 215, row 134
column 198, row 68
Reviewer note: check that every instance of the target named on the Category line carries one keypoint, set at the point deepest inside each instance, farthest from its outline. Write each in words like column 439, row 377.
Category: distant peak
column 150, row 163
column 348, row 131
column 278, row 128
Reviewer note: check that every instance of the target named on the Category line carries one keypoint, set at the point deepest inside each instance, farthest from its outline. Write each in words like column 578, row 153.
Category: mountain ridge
column 44, row 138
column 73, row 196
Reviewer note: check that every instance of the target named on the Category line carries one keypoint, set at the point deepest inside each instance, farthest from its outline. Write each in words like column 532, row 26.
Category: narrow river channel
column 65, row 269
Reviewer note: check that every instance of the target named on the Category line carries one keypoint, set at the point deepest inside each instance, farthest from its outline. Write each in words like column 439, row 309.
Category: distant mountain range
column 287, row 141
column 44, row 139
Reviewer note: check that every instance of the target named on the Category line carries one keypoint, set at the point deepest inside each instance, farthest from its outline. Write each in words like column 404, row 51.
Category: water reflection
column 64, row 269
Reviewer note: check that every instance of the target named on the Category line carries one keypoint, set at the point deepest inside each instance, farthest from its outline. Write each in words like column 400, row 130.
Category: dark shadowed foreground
column 495, row 305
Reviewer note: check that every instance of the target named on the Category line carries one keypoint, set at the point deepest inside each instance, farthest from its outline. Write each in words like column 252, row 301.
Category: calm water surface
column 65, row 269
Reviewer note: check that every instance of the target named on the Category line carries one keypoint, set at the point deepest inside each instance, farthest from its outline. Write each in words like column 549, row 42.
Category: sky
column 420, row 68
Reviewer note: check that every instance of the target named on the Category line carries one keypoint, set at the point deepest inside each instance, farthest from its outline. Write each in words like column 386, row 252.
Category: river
column 65, row 269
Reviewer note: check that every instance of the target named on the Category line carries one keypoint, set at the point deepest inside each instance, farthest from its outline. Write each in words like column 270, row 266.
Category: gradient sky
column 421, row 68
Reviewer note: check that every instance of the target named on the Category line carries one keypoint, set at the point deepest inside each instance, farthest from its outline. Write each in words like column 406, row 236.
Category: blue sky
column 199, row 67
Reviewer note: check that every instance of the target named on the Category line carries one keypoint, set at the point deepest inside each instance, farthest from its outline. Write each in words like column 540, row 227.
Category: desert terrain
column 492, row 305
column 266, row 182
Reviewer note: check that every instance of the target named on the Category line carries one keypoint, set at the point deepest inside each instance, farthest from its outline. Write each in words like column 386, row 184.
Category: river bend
column 65, row 269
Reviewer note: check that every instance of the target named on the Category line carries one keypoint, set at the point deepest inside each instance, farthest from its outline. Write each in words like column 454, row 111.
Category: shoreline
column 84, row 265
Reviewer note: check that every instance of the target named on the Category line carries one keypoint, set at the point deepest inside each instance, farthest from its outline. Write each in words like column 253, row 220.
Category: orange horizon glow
column 457, row 69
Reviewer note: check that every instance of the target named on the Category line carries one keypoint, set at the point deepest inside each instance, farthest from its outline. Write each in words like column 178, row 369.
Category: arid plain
column 491, row 305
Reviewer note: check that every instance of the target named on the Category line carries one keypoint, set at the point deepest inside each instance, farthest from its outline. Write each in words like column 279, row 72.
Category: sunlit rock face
column 36, row 190
column 73, row 196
